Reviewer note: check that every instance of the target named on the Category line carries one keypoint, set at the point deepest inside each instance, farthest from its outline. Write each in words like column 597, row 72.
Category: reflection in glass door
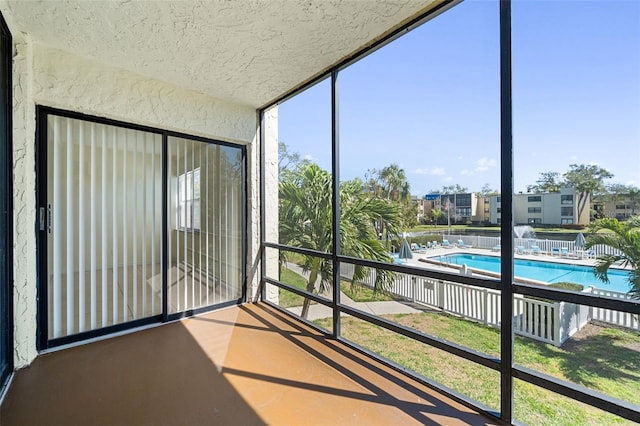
column 205, row 195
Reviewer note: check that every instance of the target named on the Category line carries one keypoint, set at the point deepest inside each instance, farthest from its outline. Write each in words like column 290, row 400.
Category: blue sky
column 430, row 100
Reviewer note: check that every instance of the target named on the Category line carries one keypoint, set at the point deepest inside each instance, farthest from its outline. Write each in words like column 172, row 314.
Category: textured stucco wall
column 51, row 77
column 70, row 82
column 271, row 197
column 24, row 178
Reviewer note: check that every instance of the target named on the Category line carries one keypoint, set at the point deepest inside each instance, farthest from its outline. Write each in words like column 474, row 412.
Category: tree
column 391, row 183
column 486, row 190
column 624, row 237
column 628, row 194
column 454, row 189
column 287, row 160
column 306, row 222
column 436, row 214
column 587, row 180
column 547, row 182
column 633, row 197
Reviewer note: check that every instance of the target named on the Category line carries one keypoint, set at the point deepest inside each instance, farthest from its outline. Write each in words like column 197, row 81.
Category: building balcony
column 249, row 364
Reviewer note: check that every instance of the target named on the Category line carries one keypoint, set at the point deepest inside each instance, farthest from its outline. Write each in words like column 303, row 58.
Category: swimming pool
column 549, row 272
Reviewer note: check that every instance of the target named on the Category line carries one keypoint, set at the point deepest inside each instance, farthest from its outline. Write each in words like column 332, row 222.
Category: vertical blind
column 105, row 224
column 205, row 224
column 105, row 212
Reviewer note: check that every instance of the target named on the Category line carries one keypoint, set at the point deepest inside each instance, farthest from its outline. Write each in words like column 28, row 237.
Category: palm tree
column 306, row 222
column 624, row 237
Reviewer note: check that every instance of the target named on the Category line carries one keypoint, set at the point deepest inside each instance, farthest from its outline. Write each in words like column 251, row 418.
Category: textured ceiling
column 245, row 51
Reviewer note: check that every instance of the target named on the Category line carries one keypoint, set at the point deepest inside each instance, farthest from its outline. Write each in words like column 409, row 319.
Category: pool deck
column 419, row 257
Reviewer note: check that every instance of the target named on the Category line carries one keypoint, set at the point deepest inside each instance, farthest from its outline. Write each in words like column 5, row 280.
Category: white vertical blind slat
column 206, row 216
column 184, row 154
column 134, row 225
column 193, row 253
column 125, row 241
column 104, row 266
column 81, row 230
column 153, row 229
column 70, row 227
column 114, row 216
column 145, row 224
column 93, row 243
column 171, row 218
column 57, row 237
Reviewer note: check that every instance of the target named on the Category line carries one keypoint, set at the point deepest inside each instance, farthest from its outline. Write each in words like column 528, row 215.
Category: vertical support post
column 506, row 189
column 335, row 182
column 263, row 258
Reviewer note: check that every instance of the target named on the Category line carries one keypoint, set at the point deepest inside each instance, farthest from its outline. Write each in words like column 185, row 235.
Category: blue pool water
column 549, row 272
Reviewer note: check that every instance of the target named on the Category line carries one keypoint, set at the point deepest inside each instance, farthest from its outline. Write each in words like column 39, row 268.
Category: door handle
column 41, row 218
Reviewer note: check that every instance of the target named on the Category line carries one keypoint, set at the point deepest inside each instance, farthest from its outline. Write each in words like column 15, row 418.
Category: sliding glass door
column 126, row 229
column 104, row 224
column 205, row 224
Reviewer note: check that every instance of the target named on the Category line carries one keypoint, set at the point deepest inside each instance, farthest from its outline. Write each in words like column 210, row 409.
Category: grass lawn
column 604, row 359
column 362, row 293
column 286, row 298
column 357, row 293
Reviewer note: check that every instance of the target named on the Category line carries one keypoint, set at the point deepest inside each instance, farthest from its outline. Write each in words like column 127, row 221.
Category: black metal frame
column 6, row 203
column 508, row 370
column 42, row 340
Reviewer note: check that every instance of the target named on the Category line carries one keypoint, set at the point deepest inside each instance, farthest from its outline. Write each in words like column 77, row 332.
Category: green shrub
column 567, row 286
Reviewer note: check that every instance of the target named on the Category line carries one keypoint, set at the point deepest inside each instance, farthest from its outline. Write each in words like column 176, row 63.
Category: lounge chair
column 497, row 247
column 417, row 248
column 536, row 250
column 445, row 244
column 522, row 250
column 555, row 251
column 564, row 252
column 462, row 245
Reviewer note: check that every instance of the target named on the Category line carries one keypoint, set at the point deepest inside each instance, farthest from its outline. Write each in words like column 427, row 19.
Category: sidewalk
column 319, row 311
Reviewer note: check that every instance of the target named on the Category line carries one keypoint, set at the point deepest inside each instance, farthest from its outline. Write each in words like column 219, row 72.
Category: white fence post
column 414, row 287
column 557, row 339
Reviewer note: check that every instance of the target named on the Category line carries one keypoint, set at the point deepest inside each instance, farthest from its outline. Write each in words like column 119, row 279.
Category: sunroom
column 150, row 269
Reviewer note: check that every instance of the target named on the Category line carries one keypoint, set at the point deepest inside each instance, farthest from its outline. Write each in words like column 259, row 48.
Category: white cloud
column 482, row 165
column 447, row 179
column 460, row 157
column 573, row 158
column 486, row 162
column 308, row 157
column 433, row 171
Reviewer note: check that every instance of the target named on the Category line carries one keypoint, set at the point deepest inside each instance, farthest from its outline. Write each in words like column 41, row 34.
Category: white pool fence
column 547, row 321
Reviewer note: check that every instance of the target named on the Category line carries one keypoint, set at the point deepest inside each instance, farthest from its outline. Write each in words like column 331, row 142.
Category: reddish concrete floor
column 247, row 365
